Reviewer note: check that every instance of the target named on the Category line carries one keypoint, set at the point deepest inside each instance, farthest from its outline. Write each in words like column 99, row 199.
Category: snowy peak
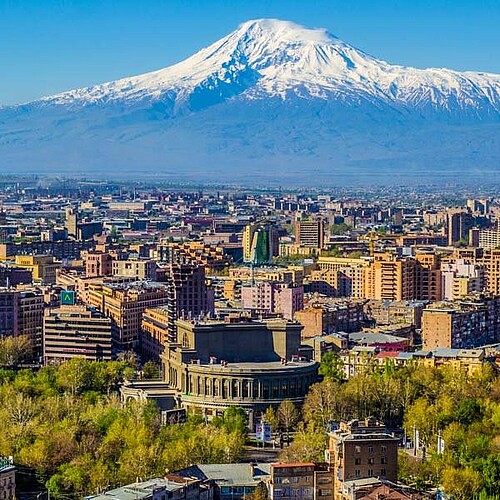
column 268, row 29
column 266, row 58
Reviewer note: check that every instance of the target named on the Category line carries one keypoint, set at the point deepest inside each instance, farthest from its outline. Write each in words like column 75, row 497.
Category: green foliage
column 271, row 418
column 334, row 251
column 338, row 229
column 67, row 422
column 233, row 420
column 331, row 366
column 150, row 370
column 15, row 350
column 307, row 446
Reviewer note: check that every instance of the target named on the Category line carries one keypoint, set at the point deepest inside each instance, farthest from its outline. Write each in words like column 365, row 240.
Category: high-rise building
column 428, row 277
column 21, row 314
column 188, row 294
column 458, row 223
column 76, row 331
column 260, row 243
column 488, row 238
column 489, row 259
column 125, row 303
column 471, row 322
column 390, row 278
column 310, row 233
column 481, row 207
column 71, row 223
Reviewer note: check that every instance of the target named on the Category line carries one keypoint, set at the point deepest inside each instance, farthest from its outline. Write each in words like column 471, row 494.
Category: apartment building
column 322, row 317
column 390, row 278
column 310, row 233
column 21, row 314
column 461, row 277
column 458, row 223
column 384, row 312
column 154, row 329
column 273, row 297
column 76, row 331
column 361, row 449
column 304, row 480
column 125, row 303
column 461, row 324
column 139, row 269
column 43, row 267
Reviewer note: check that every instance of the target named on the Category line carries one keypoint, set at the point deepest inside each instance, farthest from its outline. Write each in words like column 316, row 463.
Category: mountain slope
column 270, row 101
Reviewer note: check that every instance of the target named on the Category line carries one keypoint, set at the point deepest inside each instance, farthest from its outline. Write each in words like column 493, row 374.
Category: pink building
column 273, row 297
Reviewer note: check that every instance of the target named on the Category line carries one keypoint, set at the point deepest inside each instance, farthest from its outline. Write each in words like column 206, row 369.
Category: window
column 370, row 472
column 370, row 449
column 383, row 448
column 357, row 461
column 383, row 460
column 357, row 449
column 371, row 461
column 357, row 473
column 383, row 472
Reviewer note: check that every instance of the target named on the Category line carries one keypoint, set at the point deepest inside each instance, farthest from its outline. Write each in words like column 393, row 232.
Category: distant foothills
column 272, row 102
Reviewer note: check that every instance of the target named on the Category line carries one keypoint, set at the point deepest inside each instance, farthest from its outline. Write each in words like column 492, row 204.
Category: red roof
column 387, row 354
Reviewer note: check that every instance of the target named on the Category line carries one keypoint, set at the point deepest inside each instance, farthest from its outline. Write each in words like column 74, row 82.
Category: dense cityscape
column 222, row 342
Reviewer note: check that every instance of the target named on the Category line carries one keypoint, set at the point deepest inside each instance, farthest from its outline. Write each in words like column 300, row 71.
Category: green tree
column 331, row 366
column 308, row 446
column 15, row 350
column 462, row 483
column 271, row 418
column 150, row 370
column 288, row 416
column 235, row 420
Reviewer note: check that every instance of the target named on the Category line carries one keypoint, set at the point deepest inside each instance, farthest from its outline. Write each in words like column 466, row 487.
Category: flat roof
column 255, row 366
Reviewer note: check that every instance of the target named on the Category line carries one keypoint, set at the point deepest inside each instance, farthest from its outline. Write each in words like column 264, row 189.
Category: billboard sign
column 67, row 298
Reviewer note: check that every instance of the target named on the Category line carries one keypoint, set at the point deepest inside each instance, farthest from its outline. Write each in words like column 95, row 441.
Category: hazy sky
column 47, row 46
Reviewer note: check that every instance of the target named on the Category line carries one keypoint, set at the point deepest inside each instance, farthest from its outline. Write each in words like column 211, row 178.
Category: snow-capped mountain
column 272, row 100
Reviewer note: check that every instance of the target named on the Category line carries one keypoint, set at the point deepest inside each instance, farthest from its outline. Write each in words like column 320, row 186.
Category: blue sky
column 47, row 46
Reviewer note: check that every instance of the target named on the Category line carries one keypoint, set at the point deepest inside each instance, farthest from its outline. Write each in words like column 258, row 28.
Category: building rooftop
column 255, row 366
column 137, row 491
column 136, row 285
column 450, row 353
column 368, row 338
column 229, row 474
